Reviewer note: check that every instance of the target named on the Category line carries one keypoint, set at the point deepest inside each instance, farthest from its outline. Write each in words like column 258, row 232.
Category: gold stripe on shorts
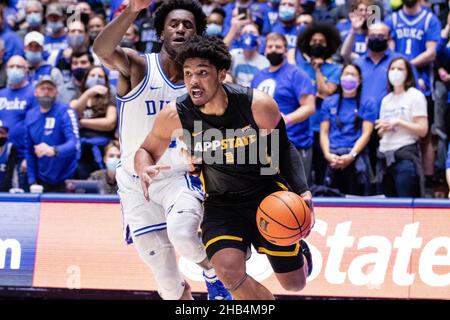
column 280, row 253
column 214, row 240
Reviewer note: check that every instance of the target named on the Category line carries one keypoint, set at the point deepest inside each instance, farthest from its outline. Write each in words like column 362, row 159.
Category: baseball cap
column 54, row 9
column 3, row 125
column 34, row 36
column 45, row 78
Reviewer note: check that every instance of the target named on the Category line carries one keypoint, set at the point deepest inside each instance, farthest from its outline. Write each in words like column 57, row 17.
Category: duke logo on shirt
column 49, row 123
column 268, row 86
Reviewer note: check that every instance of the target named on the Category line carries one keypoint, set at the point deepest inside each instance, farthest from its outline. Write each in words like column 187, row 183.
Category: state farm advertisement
column 358, row 252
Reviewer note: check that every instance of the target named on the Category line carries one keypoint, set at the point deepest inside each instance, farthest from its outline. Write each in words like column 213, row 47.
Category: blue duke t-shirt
column 287, row 86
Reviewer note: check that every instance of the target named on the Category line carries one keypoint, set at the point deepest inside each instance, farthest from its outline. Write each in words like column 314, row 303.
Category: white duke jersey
column 137, row 112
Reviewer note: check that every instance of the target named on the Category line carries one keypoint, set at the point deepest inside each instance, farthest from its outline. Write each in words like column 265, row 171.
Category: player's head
column 178, row 20
column 205, row 62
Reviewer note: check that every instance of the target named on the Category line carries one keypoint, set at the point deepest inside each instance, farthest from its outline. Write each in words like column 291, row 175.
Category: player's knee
column 230, row 273
column 181, row 238
column 159, row 255
column 294, row 284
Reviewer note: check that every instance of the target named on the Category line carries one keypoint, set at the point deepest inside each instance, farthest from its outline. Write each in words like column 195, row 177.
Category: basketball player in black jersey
column 234, row 189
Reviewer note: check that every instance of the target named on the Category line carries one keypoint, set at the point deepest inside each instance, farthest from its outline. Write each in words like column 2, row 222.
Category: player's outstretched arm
column 267, row 116
column 167, row 125
column 106, row 45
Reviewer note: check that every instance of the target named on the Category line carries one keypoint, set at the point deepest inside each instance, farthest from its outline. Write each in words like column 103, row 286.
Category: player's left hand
column 146, row 177
column 307, row 196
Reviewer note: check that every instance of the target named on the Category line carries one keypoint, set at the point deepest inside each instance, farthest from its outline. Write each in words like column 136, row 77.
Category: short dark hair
column 220, row 11
column 210, row 48
column 82, row 53
column 168, row 6
column 410, row 81
column 330, row 33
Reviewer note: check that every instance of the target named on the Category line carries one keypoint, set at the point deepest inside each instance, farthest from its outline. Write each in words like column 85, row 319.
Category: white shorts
column 141, row 216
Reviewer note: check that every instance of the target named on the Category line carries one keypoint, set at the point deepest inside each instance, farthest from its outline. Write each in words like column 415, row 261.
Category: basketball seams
column 292, row 212
column 276, row 220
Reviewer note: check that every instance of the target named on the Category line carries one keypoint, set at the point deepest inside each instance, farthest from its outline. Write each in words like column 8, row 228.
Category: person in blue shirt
column 416, row 32
column 354, row 30
column 56, row 34
column 53, row 145
column 287, row 23
column 254, row 13
column 15, row 100
column 270, row 15
column 34, row 54
column 347, row 124
column 292, row 90
column 8, row 158
column 12, row 43
column 315, row 46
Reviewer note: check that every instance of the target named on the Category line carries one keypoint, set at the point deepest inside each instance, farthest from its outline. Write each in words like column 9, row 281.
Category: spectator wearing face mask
column 55, row 38
column 97, row 117
column 52, row 139
column 315, row 46
column 95, row 25
column 15, row 100
column 78, row 41
column 247, row 61
column 34, row 54
column 8, row 158
column 415, row 33
column 347, row 124
column 34, row 13
column 79, row 64
column 355, row 30
column 215, row 22
column 130, row 38
column 320, row 10
column 107, row 177
column 403, row 120
column 13, row 45
column 292, row 90
column 287, row 23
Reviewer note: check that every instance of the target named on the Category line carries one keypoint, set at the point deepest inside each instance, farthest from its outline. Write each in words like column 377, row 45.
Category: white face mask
column 396, row 77
column 111, row 164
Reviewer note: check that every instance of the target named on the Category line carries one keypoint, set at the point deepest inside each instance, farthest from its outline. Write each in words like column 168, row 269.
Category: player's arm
column 268, row 117
column 166, row 126
column 106, row 47
column 426, row 57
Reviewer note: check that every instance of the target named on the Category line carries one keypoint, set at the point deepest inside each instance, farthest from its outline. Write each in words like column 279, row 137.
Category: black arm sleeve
column 291, row 165
column 6, row 184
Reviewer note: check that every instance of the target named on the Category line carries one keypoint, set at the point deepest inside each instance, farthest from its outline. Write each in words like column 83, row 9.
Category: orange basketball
column 283, row 218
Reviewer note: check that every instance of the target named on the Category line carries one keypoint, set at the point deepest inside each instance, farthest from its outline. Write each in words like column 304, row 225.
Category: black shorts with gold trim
column 233, row 225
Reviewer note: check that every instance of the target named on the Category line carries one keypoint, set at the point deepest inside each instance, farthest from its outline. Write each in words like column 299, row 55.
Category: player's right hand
column 138, row 5
column 146, row 177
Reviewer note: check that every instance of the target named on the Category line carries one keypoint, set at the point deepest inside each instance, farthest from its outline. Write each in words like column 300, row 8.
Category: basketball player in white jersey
column 171, row 217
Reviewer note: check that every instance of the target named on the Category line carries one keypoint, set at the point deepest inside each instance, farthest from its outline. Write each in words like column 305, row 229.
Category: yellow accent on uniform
column 214, row 240
column 281, row 253
column 202, row 180
column 282, row 186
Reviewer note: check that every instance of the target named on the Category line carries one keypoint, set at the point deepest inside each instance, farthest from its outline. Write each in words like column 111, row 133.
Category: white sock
column 210, row 275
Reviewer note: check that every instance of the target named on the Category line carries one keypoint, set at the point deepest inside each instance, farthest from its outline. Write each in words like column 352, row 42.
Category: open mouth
column 196, row 93
column 179, row 40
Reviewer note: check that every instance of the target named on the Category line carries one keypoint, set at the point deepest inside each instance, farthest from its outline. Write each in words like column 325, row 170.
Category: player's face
column 202, row 80
column 179, row 26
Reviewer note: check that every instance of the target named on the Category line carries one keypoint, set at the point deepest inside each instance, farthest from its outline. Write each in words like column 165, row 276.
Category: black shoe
column 307, row 254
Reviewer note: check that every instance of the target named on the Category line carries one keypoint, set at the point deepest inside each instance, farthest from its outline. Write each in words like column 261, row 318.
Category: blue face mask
column 94, row 80
column 75, row 41
column 33, row 57
column 286, row 14
column 15, row 75
column 249, row 41
column 34, row 19
column 53, row 27
column 213, row 29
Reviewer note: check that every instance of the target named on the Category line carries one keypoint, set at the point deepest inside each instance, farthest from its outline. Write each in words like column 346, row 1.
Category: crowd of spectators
column 362, row 85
